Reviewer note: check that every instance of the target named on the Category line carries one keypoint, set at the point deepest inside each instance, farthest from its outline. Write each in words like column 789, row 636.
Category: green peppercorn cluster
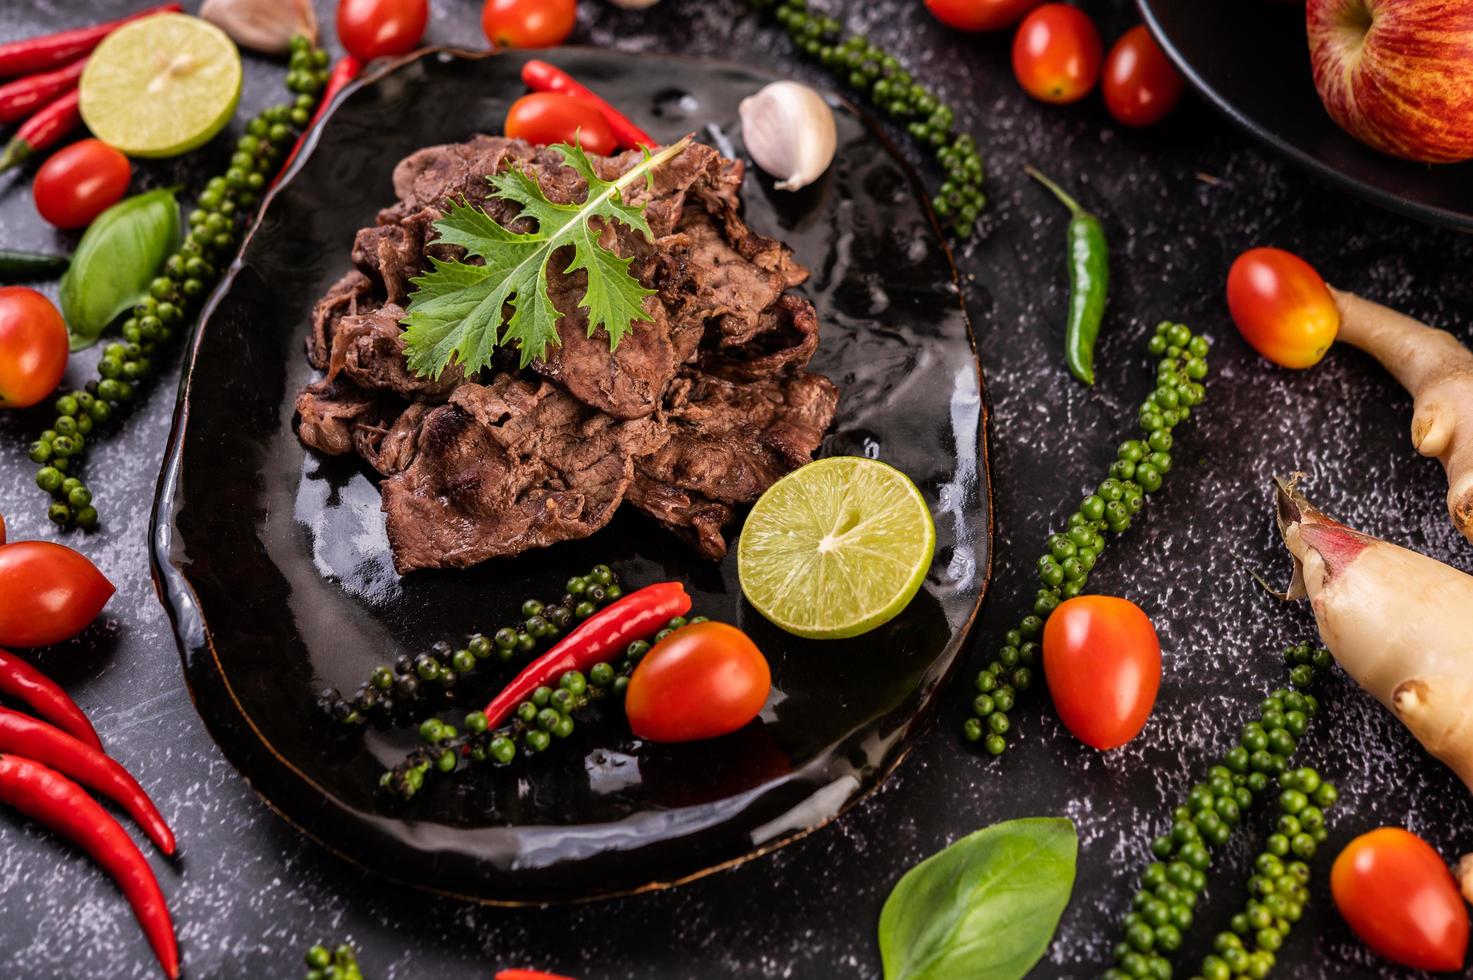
column 1139, row 469
column 414, row 681
column 1278, row 889
column 868, row 69
column 1171, row 885
column 546, row 715
column 188, row 275
column 340, row 964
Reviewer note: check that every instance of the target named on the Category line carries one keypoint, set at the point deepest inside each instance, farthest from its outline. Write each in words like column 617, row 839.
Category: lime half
column 161, row 86
column 836, row 548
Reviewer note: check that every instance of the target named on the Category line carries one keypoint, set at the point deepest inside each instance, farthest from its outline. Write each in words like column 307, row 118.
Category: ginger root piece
column 1398, row 622
column 1438, row 372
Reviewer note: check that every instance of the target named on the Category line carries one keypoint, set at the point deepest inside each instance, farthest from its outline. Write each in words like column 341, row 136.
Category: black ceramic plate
column 1251, row 60
column 275, row 567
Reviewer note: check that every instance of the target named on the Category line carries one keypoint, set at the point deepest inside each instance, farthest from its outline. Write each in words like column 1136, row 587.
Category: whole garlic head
column 262, row 25
column 789, row 131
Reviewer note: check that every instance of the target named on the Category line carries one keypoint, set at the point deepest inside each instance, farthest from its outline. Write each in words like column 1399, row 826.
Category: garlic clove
column 789, row 131
column 263, row 25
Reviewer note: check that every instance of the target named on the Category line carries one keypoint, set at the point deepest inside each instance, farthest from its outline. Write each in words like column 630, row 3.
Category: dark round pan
column 276, row 571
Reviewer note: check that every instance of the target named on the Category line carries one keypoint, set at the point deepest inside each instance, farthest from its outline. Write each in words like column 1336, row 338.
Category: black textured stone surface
column 1178, row 203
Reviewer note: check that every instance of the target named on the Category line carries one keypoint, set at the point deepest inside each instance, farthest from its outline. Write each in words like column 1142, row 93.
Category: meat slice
column 390, row 449
column 328, row 411
column 506, row 467
column 786, row 337
column 343, row 299
column 368, row 349
column 729, row 441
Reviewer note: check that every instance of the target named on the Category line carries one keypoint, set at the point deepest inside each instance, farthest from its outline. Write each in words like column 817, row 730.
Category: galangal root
column 1438, row 372
column 1399, row 623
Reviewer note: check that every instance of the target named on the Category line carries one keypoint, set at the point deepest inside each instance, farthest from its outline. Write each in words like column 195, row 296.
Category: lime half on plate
column 836, row 548
column 161, row 86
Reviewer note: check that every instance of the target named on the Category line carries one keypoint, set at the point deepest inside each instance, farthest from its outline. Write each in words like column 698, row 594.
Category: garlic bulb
column 263, row 25
column 789, row 131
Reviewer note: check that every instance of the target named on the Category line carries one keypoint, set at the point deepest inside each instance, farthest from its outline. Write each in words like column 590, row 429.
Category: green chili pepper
column 1089, row 280
column 30, row 265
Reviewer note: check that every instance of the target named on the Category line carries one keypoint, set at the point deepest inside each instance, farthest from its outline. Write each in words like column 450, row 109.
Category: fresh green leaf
column 118, row 256
column 986, row 906
column 457, row 312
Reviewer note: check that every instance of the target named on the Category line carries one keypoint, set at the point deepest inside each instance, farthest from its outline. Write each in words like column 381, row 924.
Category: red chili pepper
column 39, row 53
column 23, row 96
column 42, row 131
column 50, row 746
column 529, row 975
column 60, row 805
column 24, row 683
column 636, row 616
column 539, row 76
column 346, row 69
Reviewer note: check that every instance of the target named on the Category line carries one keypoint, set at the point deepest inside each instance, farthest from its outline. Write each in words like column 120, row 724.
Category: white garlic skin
column 789, row 131
column 263, row 25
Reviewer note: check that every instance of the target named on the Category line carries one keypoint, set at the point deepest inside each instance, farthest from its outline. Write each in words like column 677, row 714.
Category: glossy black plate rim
column 1308, row 161
column 193, row 638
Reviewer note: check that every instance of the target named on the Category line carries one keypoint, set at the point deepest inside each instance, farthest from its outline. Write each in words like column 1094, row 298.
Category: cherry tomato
column 1401, row 900
column 1140, row 83
column 79, row 182
column 33, row 347
column 544, row 118
column 48, row 593
column 1056, row 54
column 381, row 28
column 1282, row 307
column 528, row 23
column 980, row 15
column 701, row 681
column 1102, row 662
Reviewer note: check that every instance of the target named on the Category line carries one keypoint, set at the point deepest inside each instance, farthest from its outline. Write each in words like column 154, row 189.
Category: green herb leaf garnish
column 456, row 312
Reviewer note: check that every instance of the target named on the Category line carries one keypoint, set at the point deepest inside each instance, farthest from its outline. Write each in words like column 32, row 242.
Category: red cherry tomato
column 1140, row 83
column 48, row 593
column 1401, row 900
column 1102, row 662
column 381, row 28
column 1282, row 307
column 980, row 15
column 1056, row 53
column 701, row 681
column 528, row 23
column 33, row 347
column 79, row 182
column 545, row 118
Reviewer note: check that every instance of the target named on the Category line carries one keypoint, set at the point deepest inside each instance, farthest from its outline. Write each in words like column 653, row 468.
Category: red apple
column 1397, row 74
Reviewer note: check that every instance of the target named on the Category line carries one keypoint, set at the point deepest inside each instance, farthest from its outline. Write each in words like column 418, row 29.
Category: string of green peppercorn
column 868, row 69
column 412, row 682
column 546, row 715
column 340, row 964
column 187, row 278
column 1139, row 469
column 1171, row 885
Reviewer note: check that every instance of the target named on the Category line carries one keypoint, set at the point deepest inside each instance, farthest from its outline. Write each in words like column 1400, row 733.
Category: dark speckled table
column 1178, row 203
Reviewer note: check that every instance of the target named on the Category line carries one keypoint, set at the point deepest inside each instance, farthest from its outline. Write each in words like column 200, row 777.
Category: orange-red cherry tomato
column 528, row 23
column 1397, row 894
column 1057, row 53
column 79, row 182
column 48, row 593
column 1140, row 83
column 703, row 680
column 980, row 15
column 544, row 118
column 1102, row 662
column 1282, row 307
column 33, row 347
column 381, row 28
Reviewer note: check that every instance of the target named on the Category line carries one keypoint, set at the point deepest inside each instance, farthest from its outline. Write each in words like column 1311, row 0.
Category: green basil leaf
column 115, row 261
column 987, row 906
